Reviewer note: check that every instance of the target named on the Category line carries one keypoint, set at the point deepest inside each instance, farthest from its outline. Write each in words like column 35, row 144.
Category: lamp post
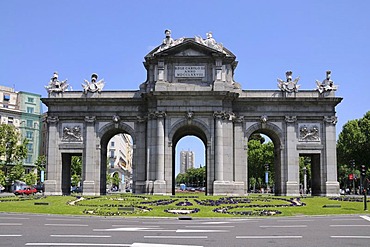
column 304, row 180
column 353, row 164
column 267, row 177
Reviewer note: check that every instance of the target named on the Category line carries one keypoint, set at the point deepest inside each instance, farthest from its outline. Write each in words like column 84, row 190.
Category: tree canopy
column 12, row 147
column 354, row 142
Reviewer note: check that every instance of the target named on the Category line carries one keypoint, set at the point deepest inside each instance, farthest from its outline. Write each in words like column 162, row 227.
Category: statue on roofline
column 169, row 41
column 56, row 86
column 93, row 86
column 327, row 85
column 210, row 42
column 289, row 85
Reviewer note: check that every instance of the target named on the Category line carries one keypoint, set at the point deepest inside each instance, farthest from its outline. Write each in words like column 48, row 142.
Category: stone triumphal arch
column 190, row 90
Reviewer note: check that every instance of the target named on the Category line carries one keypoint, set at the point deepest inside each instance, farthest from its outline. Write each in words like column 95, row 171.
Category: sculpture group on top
column 327, row 85
column 93, row 86
column 56, row 86
column 289, row 85
column 210, row 42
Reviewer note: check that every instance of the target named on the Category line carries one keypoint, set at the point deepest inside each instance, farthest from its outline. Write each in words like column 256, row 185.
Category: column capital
column 331, row 120
column 90, row 119
column 290, row 119
column 219, row 114
column 52, row 119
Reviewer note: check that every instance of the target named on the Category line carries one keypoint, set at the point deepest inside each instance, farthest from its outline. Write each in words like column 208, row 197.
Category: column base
column 89, row 188
column 159, row 187
column 228, row 188
column 292, row 189
column 51, row 188
column 332, row 188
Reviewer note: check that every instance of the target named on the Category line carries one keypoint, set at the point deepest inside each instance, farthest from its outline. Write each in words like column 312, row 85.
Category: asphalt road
column 52, row 230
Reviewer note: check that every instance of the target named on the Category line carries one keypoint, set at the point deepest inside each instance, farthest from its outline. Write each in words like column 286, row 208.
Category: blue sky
column 111, row 38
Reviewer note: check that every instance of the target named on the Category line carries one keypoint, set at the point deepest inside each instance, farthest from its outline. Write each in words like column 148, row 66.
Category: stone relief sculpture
column 169, row 41
column 93, row 86
column 56, row 86
column 309, row 132
column 72, row 133
column 289, row 85
column 210, row 42
column 327, row 85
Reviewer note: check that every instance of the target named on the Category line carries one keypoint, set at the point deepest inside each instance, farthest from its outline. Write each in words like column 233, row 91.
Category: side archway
column 105, row 133
column 276, row 135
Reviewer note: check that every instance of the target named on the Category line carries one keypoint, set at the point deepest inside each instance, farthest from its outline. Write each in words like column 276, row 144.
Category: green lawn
column 194, row 205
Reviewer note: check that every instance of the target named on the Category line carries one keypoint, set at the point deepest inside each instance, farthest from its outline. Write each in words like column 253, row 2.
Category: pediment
column 188, row 47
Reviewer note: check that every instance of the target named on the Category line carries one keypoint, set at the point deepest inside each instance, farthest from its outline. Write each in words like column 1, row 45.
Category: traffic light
column 363, row 170
column 352, row 163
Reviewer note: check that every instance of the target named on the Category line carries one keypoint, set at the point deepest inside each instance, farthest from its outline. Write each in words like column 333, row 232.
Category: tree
column 30, row 178
column 2, row 179
column 40, row 166
column 12, row 147
column 76, row 165
column 260, row 154
column 354, row 142
column 16, row 173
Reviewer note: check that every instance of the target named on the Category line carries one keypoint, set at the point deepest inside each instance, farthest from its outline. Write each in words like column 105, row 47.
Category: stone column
column 139, row 160
column 291, row 157
column 331, row 183
column 53, row 183
column 91, row 168
column 160, row 183
column 218, row 146
column 240, row 168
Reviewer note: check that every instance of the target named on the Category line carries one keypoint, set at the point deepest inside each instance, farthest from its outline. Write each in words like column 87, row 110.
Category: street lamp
column 304, row 180
column 267, row 177
column 353, row 164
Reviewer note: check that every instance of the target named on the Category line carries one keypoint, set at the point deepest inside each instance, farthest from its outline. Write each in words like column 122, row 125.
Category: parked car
column 75, row 189
column 39, row 188
column 26, row 191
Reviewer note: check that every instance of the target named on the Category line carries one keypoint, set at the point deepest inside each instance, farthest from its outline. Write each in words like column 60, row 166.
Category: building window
column 111, row 154
column 29, row 109
column 29, row 123
column 5, row 106
column 30, row 147
column 6, row 97
column 30, row 100
column 112, row 144
column 29, row 159
column 10, row 120
column 112, row 164
column 29, row 135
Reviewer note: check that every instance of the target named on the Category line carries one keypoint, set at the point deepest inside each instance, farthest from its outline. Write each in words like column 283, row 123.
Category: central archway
column 189, row 129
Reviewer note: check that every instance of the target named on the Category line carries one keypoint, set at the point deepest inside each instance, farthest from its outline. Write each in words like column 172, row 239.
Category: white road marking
column 76, row 244
column 78, row 225
column 365, row 217
column 267, row 237
column 215, row 223
column 295, row 220
column 211, row 226
column 349, row 225
column 80, row 236
column 11, row 224
column 133, row 229
column 10, row 235
column 358, row 237
column 288, row 226
column 194, row 231
column 161, row 245
column 58, row 219
column 181, row 237
column 14, row 218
